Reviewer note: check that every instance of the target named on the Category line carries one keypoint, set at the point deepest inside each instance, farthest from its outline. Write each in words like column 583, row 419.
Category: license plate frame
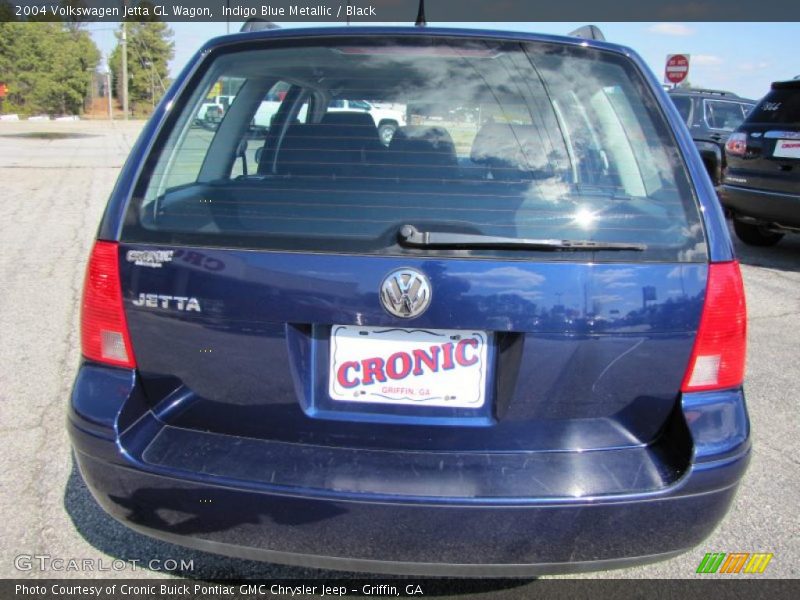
column 410, row 371
column 787, row 149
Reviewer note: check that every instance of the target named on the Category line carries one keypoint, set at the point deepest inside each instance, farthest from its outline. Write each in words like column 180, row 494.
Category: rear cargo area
column 581, row 396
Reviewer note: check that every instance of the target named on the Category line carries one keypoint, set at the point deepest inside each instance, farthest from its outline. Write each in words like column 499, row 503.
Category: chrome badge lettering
column 184, row 303
column 149, row 258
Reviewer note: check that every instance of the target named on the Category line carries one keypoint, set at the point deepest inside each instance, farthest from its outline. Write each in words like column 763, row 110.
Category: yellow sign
column 215, row 91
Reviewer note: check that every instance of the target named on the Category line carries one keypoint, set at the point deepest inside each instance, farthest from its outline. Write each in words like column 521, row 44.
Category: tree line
column 49, row 67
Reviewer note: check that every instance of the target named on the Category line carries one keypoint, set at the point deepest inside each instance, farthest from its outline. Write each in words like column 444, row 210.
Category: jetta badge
column 405, row 293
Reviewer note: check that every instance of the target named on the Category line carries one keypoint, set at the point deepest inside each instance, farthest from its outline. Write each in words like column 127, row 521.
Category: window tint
column 278, row 91
column 508, row 139
column 779, row 106
column 268, row 108
column 252, row 143
column 721, row 114
column 684, row 106
column 189, row 149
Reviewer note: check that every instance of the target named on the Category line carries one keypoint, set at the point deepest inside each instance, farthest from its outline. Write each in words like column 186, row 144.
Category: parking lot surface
column 54, row 181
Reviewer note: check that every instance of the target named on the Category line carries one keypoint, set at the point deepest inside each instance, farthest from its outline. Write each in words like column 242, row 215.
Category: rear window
column 684, row 106
column 519, row 140
column 779, row 106
column 723, row 114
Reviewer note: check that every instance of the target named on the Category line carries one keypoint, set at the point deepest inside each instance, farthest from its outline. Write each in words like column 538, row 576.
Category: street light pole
column 109, row 94
column 124, row 40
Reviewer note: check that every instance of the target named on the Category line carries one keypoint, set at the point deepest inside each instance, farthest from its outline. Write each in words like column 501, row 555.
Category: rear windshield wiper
column 412, row 237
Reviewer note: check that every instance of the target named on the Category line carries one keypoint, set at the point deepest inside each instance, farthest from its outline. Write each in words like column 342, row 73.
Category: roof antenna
column 421, row 22
column 258, row 24
column 588, row 32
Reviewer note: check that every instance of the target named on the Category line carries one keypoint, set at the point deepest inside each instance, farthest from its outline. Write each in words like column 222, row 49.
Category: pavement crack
column 778, row 316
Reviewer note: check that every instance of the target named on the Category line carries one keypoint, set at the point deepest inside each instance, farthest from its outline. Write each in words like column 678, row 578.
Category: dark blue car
column 506, row 339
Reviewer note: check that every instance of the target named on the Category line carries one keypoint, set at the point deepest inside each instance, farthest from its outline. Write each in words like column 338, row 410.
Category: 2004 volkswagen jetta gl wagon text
column 507, row 339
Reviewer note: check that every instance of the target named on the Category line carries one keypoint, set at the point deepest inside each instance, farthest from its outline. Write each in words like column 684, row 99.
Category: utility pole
column 125, row 66
column 109, row 94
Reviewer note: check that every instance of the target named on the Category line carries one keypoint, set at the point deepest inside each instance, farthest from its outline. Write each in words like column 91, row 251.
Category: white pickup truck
column 387, row 117
column 210, row 112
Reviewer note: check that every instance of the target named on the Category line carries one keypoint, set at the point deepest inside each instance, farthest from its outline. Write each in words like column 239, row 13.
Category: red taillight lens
column 104, row 329
column 736, row 144
column 718, row 356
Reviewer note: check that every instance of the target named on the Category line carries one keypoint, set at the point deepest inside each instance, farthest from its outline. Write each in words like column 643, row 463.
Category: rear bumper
column 441, row 532
column 770, row 207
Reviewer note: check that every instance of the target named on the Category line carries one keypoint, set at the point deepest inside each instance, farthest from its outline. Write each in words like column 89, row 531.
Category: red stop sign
column 677, row 68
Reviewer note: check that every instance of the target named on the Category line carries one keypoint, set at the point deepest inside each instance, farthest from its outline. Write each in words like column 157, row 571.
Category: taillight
column 104, row 329
column 718, row 356
column 736, row 144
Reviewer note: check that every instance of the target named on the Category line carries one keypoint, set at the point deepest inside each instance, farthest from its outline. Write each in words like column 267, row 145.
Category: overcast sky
column 740, row 57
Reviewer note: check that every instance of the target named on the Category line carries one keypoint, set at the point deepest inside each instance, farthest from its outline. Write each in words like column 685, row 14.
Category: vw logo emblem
column 405, row 293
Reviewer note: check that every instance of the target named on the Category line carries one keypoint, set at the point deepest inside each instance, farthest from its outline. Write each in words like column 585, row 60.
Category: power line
column 149, row 60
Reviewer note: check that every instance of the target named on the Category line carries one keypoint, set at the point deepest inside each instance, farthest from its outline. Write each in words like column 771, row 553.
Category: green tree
column 47, row 67
column 150, row 48
column 7, row 11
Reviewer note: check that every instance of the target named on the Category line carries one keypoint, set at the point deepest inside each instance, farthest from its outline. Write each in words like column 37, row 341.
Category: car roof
column 410, row 31
column 709, row 93
column 789, row 84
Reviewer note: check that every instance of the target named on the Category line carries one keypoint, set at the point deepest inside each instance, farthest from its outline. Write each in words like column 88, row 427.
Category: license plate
column 787, row 149
column 421, row 367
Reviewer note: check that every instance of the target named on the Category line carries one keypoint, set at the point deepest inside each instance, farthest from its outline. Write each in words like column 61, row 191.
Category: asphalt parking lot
column 53, row 189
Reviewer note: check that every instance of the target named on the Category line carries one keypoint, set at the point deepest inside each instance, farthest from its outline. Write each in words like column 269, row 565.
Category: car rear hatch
column 767, row 153
column 501, row 303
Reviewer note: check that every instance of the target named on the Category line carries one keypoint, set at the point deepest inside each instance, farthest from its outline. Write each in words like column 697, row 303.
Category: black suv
column 761, row 187
column 711, row 116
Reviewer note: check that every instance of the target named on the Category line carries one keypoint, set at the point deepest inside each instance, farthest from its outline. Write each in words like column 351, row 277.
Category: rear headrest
column 357, row 126
column 511, row 146
column 352, row 119
column 423, row 145
column 317, row 149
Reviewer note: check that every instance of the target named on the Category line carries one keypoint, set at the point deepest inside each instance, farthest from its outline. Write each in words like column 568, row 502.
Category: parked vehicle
column 711, row 116
column 211, row 111
column 386, row 118
column 266, row 112
column 762, row 182
column 506, row 346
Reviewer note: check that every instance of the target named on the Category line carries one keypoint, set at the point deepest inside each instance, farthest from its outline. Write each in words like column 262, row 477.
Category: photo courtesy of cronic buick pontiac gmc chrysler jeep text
column 506, row 339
